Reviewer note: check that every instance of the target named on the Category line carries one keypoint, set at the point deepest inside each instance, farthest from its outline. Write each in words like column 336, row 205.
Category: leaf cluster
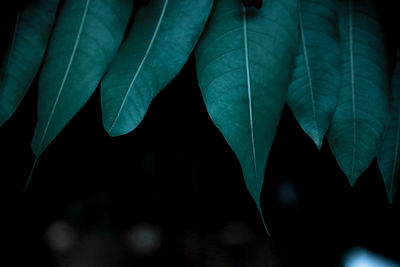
column 329, row 60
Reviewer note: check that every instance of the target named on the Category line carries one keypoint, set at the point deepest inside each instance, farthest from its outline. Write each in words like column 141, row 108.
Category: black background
column 176, row 172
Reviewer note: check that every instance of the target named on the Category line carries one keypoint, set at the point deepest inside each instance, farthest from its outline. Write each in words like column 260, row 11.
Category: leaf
column 87, row 34
column 388, row 158
column 25, row 53
column 315, row 81
column 243, row 64
column 162, row 37
column 362, row 112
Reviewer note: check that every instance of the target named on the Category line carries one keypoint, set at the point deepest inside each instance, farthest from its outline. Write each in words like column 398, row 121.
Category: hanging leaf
column 362, row 112
column 389, row 158
column 315, row 82
column 86, row 37
column 243, row 64
column 25, row 53
column 161, row 39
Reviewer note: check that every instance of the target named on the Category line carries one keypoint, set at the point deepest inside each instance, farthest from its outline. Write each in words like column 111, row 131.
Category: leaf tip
column 352, row 172
column 117, row 127
column 114, row 132
column 108, row 126
column 30, row 174
column 317, row 137
column 258, row 204
column 4, row 114
column 352, row 179
column 390, row 195
column 111, row 133
column 318, row 143
column 35, row 146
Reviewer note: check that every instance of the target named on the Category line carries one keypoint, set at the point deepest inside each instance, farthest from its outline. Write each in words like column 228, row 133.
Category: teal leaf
column 86, row 36
column 363, row 108
column 389, row 156
column 315, row 81
column 25, row 53
column 162, row 37
column 243, row 63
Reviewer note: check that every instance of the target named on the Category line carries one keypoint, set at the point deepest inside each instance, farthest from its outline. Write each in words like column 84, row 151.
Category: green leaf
column 315, row 82
column 362, row 112
column 162, row 37
column 25, row 53
column 243, row 64
column 389, row 156
column 87, row 35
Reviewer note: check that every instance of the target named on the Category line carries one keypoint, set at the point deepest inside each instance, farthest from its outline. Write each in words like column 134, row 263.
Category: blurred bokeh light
column 144, row 239
column 360, row 257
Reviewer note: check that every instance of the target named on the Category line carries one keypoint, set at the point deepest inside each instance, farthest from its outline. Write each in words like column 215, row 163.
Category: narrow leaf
column 25, row 53
column 389, row 156
column 362, row 112
column 87, row 34
column 162, row 37
column 315, row 81
column 243, row 64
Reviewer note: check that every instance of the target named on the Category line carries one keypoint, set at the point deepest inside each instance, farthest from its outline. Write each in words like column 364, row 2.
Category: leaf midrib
column 314, row 110
column 353, row 94
column 249, row 90
column 140, row 67
column 84, row 15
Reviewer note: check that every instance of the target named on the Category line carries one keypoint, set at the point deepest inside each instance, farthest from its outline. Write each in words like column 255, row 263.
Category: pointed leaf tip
column 243, row 75
column 258, row 204
column 389, row 156
column 315, row 78
column 316, row 136
column 358, row 124
column 85, row 38
column 28, row 181
column 352, row 180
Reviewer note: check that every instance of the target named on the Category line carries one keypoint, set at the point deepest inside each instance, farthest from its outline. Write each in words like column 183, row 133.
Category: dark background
column 176, row 176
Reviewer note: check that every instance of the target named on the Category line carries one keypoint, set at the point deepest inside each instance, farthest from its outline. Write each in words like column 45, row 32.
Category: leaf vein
column 353, row 95
column 249, row 91
column 307, row 65
column 65, row 75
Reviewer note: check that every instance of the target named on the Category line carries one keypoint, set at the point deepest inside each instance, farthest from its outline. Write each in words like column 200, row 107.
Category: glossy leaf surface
column 363, row 108
column 87, row 34
column 389, row 157
column 25, row 53
column 315, row 81
column 162, row 37
column 243, row 64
